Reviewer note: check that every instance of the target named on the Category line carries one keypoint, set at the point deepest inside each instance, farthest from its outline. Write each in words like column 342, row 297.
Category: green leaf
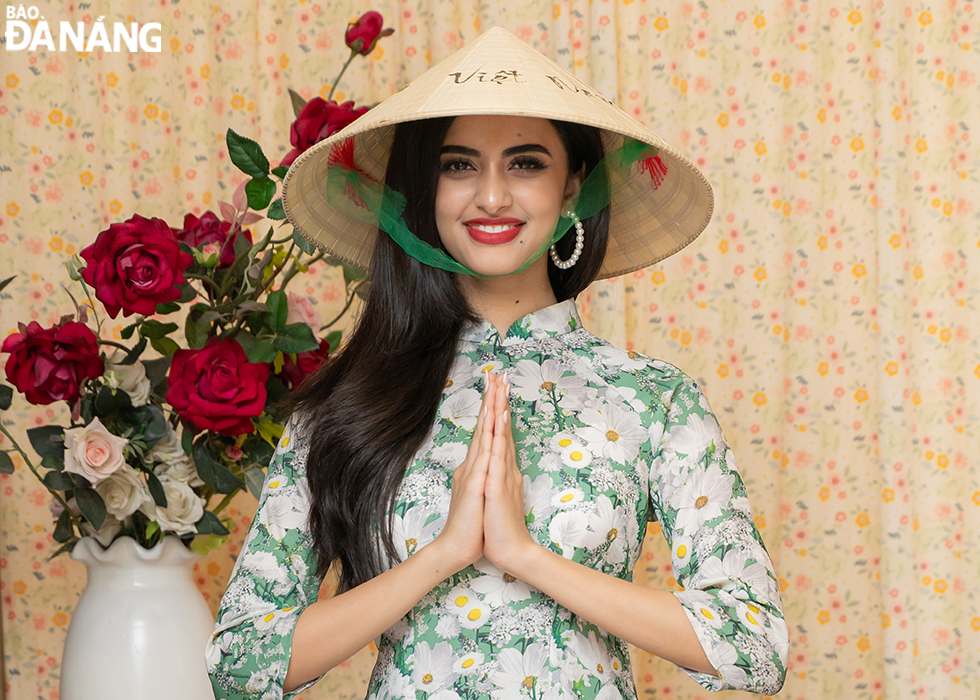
column 165, row 346
column 168, row 307
column 134, row 353
column 127, row 332
column 48, row 440
column 254, row 478
column 278, row 309
column 156, row 372
column 154, row 330
column 205, row 544
column 260, row 191
column 303, row 244
column 211, row 472
column 110, row 400
column 296, row 337
column 187, row 441
column 5, row 282
column 63, row 531
column 52, row 462
column 187, row 292
column 196, row 330
column 353, row 274
column 6, row 396
column 333, row 340
column 210, row 524
column 156, row 490
column 259, row 349
column 6, row 464
column 274, row 390
column 58, row 481
column 156, row 426
column 362, row 289
column 297, row 102
column 281, row 171
column 247, row 155
column 276, row 212
column 152, row 528
column 92, row 506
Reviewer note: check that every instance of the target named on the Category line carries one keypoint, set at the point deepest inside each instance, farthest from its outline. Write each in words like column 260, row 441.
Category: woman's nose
column 492, row 194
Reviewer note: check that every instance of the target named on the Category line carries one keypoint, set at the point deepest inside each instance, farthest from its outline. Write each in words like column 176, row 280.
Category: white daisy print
column 701, row 498
column 751, row 616
column 613, row 432
column 567, row 498
column 592, row 654
column 545, row 384
column 461, row 408
column 732, row 571
column 611, row 356
column 629, row 396
column 469, row 663
column 516, row 671
column 576, row 457
column 471, row 611
column 278, row 515
column 609, row 525
column 537, row 498
column 432, row 668
column 498, row 587
column 411, row 532
column 461, row 374
column 695, row 437
column 570, row 529
column 681, row 551
column 609, row 692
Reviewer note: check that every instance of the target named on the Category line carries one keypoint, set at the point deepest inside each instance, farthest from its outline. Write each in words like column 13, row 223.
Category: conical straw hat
column 663, row 204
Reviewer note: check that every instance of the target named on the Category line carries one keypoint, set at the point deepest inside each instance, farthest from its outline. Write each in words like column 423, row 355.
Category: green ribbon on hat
column 365, row 199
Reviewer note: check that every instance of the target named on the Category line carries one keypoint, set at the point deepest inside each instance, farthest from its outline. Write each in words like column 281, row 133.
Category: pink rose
column 300, row 310
column 210, row 231
column 93, row 451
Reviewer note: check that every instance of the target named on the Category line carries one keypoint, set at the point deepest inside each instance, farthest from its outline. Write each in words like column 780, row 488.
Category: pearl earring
column 579, row 243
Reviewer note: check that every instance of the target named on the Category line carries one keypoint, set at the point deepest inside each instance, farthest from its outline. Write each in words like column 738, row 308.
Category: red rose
column 217, row 388
column 316, row 122
column 135, row 265
column 210, row 229
column 293, row 373
column 50, row 364
column 363, row 33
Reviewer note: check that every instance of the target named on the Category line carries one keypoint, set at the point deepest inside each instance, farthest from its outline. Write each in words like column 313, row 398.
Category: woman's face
column 503, row 181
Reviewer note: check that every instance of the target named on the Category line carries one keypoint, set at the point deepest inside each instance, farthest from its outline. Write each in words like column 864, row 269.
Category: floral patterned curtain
column 829, row 310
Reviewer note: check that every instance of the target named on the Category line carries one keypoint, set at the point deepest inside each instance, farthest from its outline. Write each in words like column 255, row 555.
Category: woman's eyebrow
column 513, row 150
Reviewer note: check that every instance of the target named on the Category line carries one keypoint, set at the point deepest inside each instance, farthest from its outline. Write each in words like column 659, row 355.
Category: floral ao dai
column 607, row 441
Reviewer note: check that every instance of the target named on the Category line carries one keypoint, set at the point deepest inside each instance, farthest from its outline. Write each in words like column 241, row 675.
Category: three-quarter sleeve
column 730, row 594
column 273, row 581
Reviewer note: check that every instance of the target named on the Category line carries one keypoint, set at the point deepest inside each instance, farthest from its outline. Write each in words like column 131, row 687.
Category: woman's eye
column 527, row 163
column 454, row 166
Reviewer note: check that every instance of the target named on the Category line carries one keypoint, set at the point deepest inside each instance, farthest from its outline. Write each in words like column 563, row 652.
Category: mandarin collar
column 549, row 322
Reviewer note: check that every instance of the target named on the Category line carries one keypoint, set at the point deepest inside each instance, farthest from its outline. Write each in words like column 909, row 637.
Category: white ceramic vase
column 140, row 627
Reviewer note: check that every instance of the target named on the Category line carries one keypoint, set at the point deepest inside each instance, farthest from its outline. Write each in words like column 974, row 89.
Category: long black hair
column 370, row 408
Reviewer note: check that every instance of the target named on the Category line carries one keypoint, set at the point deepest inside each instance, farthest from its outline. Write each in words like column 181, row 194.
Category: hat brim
column 652, row 215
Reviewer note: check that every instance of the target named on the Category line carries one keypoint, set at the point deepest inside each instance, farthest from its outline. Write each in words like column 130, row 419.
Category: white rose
column 130, row 378
column 123, row 492
column 104, row 536
column 172, row 462
column 184, row 508
column 93, row 451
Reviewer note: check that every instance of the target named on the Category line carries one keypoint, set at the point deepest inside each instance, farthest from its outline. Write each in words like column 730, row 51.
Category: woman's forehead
column 494, row 128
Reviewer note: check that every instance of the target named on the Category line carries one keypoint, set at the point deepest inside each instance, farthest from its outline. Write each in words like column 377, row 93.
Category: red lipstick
column 477, row 228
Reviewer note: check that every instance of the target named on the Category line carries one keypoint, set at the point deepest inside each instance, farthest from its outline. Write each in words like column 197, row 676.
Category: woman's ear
column 572, row 187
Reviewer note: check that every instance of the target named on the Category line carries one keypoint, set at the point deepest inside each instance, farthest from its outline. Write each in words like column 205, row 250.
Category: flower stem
column 38, row 475
column 350, row 300
column 225, row 501
column 113, row 343
column 335, row 82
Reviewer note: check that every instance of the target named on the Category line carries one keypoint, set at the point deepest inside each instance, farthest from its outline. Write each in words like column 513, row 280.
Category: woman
column 479, row 466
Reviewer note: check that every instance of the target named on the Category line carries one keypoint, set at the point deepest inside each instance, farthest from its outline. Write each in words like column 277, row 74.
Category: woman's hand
column 461, row 541
column 506, row 541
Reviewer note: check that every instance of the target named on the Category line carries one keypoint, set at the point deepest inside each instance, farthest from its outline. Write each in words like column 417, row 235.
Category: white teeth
column 494, row 229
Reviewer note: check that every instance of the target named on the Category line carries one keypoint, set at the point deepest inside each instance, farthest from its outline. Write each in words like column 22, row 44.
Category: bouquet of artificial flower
column 153, row 441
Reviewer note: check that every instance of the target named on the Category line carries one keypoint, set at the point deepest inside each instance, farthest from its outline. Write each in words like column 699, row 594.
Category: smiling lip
column 477, row 228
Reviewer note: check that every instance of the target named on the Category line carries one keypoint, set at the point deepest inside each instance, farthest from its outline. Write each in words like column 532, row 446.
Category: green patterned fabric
column 607, row 440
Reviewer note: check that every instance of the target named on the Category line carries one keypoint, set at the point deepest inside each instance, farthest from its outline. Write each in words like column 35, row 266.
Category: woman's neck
column 503, row 300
